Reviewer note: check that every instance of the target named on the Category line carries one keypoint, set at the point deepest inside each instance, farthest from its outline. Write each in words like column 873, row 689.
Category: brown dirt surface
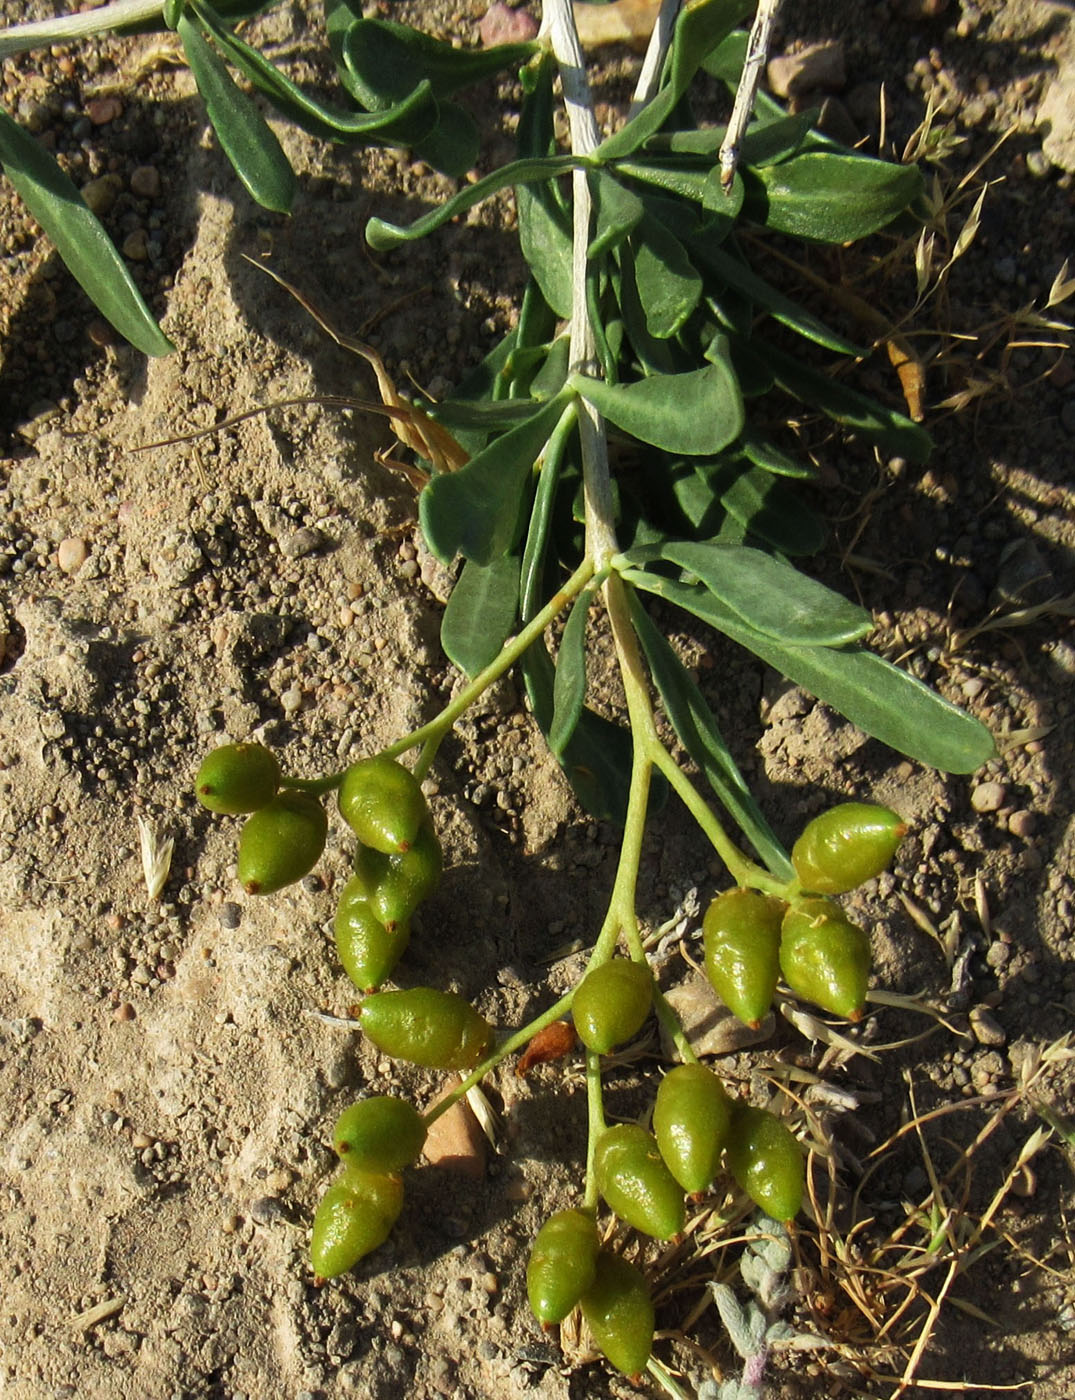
column 167, row 1085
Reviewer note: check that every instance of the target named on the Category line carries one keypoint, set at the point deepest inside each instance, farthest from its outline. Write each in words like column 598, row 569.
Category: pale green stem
column 507, row 1047
column 430, row 735
column 595, row 1106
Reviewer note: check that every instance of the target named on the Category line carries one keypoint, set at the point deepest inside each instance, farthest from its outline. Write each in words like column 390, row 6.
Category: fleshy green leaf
column 382, row 235
column 332, row 124
column 569, row 687
column 882, row 700
column 698, row 732
column 668, row 286
column 892, row 432
column 389, row 60
column 835, row 197
column 475, row 511
column 771, row 595
column 764, row 453
column 481, row 613
column 78, row 237
column 696, row 413
column 770, row 509
column 616, row 212
column 735, row 273
column 700, row 27
column 246, row 138
column 701, row 186
column 545, row 240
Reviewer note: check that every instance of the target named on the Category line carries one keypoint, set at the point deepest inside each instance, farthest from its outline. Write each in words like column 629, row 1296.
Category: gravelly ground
column 165, row 1094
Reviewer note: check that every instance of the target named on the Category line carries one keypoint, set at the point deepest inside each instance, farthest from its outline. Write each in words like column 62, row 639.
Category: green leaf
column 78, row 237
column 330, row 123
column 764, row 453
column 545, row 240
column 696, row 726
column 772, row 511
column 696, row 413
column 569, row 687
column 247, row 140
column 834, row 197
column 383, row 235
column 701, row 186
column 454, row 143
column 535, row 551
column 701, row 27
column 735, row 273
column 893, row 433
column 481, row 613
column 389, row 60
column 481, row 413
column 616, row 212
column 882, row 700
column 475, row 511
column 668, row 286
column 771, row 595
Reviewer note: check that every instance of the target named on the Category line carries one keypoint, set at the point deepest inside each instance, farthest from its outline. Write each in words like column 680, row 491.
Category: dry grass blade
column 156, row 858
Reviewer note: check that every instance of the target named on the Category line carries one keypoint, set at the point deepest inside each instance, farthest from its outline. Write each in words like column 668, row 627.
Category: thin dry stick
column 761, row 36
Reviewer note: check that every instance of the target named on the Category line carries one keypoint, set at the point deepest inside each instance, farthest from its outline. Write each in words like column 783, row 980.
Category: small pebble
column 986, row 1028
column 455, row 1139
column 229, row 915
column 101, row 110
column 819, row 67
column 296, row 544
column 988, row 797
column 146, row 181
column 71, row 554
column 1022, row 823
column 136, row 245
column 291, row 700
column 125, row 1012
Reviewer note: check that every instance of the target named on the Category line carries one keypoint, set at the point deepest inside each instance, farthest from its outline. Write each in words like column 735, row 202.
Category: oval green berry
column 281, row 842
column 439, row 1030
column 383, row 804
column 634, row 1181
column 846, row 846
column 379, row 1135
column 766, row 1160
column 367, row 950
column 690, row 1122
column 562, row 1264
column 395, row 885
column 611, row 1003
column 619, row 1312
column 237, row 778
column 356, row 1214
column 825, row 958
column 741, row 934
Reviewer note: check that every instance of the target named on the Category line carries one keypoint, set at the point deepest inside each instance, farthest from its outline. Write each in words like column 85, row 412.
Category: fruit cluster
column 752, row 938
column 753, row 935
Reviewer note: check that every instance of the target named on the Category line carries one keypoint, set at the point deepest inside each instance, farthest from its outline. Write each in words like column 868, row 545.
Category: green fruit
column 846, row 846
column 379, row 1135
column 383, row 804
column 690, row 1122
column 767, row 1161
column 825, row 958
column 395, row 885
column 237, row 778
column 356, row 1214
column 367, row 950
column 440, row 1030
column 611, row 1003
column 281, row 842
column 634, row 1181
column 619, row 1312
column 562, row 1264
column 741, row 932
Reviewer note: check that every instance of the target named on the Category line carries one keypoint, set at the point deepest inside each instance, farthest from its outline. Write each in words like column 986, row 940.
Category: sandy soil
column 166, row 1087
